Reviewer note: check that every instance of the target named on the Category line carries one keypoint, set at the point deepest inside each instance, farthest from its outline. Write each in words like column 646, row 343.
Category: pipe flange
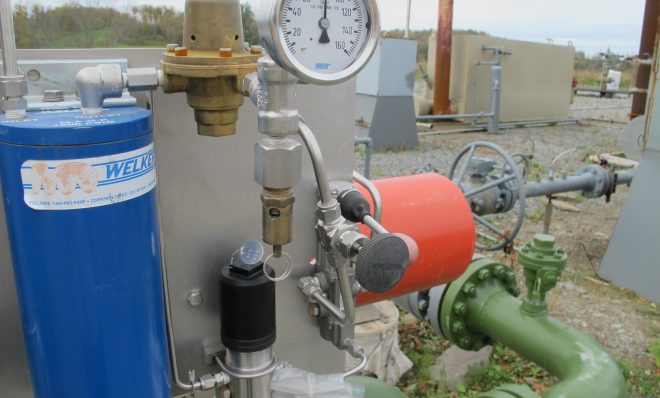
column 454, row 308
column 603, row 181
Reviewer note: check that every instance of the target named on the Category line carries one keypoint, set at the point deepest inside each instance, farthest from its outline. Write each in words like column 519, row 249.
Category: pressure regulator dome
column 320, row 41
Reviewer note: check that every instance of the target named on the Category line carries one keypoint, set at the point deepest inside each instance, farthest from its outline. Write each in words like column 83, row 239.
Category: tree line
column 83, row 26
column 78, row 26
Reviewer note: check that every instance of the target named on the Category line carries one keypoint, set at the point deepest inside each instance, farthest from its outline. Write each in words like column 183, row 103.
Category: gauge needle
column 324, row 24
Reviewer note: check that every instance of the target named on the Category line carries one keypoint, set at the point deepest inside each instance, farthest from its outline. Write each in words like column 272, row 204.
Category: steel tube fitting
column 274, row 91
column 95, row 84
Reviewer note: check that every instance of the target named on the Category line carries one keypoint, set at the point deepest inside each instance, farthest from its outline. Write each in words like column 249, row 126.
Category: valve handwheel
column 491, row 237
column 382, row 262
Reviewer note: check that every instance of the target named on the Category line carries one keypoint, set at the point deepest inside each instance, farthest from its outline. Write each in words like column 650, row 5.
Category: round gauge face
column 251, row 252
column 324, row 36
column 320, row 41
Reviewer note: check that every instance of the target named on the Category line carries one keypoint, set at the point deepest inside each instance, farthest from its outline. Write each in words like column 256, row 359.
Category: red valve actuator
column 433, row 211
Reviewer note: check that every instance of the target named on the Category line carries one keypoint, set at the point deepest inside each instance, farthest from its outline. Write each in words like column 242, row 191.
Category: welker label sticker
column 85, row 183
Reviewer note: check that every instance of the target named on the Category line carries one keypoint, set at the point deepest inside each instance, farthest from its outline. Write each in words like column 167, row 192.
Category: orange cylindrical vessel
column 434, row 212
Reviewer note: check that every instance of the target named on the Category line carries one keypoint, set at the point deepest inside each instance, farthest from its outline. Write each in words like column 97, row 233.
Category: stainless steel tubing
column 316, row 155
column 359, row 367
column 374, row 225
column 345, row 289
column 373, row 191
column 174, row 369
column 583, row 182
column 10, row 64
column 331, row 308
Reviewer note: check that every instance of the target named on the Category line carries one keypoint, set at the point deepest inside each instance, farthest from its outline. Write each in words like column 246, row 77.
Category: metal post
column 548, row 216
column 407, row 35
column 368, row 146
column 441, row 103
column 496, row 82
column 646, row 48
column 10, row 65
column 13, row 87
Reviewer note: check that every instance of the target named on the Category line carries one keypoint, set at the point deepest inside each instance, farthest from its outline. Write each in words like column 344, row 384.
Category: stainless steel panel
column 14, row 372
column 210, row 204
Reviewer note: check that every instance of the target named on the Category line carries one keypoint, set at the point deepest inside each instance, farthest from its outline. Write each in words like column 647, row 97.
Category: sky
column 592, row 26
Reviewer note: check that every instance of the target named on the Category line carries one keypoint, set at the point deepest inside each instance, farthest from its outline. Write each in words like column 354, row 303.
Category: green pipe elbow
column 510, row 391
column 481, row 307
column 373, row 388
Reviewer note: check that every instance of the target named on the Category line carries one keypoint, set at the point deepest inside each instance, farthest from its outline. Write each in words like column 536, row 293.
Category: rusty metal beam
column 441, row 103
column 646, row 48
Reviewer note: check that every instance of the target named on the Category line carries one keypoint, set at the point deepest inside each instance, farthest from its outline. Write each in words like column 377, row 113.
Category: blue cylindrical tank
column 80, row 200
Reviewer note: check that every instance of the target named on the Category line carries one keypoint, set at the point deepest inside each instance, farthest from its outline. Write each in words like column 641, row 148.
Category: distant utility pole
column 407, row 35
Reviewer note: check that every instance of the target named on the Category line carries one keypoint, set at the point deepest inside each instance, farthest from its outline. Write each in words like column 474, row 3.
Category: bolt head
column 465, row 342
column 460, row 309
column 470, row 289
column 195, row 298
column 458, row 327
column 483, row 275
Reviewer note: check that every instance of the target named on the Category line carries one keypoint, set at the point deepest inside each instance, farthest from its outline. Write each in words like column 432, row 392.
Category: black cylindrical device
column 247, row 308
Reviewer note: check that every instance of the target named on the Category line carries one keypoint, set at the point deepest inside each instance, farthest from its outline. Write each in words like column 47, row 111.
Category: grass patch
column 536, row 215
column 655, row 351
column 422, row 345
column 538, row 172
column 642, row 383
column 506, row 367
column 591, row 78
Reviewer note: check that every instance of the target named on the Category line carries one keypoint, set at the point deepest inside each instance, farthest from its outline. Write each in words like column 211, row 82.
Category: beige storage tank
column 536, row 77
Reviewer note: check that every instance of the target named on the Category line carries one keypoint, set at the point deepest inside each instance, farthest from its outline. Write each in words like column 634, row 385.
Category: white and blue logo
column 93, row 182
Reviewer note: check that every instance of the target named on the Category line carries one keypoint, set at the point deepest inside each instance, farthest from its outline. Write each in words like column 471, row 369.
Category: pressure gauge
column 320, row 41
column 251, row 252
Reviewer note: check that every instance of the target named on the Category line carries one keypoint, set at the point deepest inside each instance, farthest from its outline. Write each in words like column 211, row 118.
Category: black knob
column 382, row 262
column 354, row 206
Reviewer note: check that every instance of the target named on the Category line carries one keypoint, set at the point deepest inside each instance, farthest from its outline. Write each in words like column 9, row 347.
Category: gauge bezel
column 272, row 38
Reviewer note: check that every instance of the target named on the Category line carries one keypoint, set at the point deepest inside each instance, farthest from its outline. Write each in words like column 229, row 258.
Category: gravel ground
column 624, row 323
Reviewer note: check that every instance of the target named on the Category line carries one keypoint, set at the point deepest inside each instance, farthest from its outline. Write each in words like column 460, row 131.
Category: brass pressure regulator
column 211, row 64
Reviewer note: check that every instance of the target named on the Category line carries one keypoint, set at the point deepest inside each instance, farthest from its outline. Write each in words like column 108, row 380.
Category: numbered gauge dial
column 320, row 41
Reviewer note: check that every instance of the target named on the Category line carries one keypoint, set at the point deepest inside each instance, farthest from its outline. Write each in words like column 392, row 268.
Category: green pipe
column 583, row 366
column 481, row 307
column 373, row 388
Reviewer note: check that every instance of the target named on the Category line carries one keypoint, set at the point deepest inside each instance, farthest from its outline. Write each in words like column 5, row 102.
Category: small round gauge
column 251, row 252
column 320, row 41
